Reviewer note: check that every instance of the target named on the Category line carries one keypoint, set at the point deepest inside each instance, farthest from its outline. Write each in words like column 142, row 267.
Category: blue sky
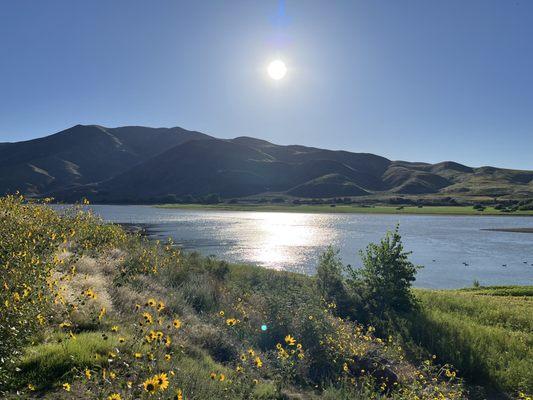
column 413, row 80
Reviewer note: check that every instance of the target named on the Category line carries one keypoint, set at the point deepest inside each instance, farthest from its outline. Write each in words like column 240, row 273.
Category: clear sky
column 417, row 80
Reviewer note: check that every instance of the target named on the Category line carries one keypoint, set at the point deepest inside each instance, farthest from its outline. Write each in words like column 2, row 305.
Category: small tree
column 386, row 277
column 329, row 274
column 331, row 282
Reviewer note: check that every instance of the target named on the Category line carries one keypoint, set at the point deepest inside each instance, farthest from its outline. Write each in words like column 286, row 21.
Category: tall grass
column 486, row 335
column 49, row 362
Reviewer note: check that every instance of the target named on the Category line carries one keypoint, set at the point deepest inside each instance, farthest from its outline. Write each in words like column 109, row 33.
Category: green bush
column 386, row 277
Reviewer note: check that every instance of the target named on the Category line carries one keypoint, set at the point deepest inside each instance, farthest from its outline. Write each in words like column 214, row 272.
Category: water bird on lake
column 466, row 264
column 504, row 265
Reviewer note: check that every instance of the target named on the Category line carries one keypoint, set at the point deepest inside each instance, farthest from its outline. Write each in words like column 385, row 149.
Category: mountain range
column 141, row 164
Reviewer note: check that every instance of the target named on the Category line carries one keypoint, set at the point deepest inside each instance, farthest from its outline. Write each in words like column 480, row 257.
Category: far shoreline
column 512, row 230
column 350, row 209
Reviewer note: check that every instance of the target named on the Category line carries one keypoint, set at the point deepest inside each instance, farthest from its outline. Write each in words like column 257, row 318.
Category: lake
column 293, row 241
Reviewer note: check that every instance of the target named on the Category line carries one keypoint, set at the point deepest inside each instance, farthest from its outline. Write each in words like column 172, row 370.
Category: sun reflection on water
column 279, row 239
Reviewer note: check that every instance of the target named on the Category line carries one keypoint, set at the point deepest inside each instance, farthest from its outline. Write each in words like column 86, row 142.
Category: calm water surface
column 293, row 241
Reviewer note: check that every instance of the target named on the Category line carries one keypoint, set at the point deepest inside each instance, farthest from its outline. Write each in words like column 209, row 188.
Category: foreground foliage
column 89, row 311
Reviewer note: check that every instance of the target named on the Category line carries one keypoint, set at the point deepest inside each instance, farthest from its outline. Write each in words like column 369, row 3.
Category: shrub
column 331, row 283
column 386, row 277
column 479, row 207
column 329, row 277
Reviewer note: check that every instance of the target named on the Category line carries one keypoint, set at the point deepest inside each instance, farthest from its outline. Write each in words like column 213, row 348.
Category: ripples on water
column 293, row 241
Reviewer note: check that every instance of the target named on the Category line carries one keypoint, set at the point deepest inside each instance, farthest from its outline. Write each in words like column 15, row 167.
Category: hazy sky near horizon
column 417, row 80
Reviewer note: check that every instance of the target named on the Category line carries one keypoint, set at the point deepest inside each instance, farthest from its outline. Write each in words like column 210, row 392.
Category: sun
column 277, row 70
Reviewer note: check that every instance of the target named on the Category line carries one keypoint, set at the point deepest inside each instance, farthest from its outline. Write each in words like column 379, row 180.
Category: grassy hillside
column 88, row 311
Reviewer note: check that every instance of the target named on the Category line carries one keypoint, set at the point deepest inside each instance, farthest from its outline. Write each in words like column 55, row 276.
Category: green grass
column 427, row 210
column 46, row 364
column 487, row 333
column 503, row 291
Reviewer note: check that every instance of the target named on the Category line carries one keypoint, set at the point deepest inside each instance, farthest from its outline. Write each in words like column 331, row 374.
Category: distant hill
column 139, row 164
column 82, row 155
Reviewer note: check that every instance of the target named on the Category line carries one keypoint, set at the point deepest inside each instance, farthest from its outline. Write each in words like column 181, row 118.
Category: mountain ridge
column 143, row 164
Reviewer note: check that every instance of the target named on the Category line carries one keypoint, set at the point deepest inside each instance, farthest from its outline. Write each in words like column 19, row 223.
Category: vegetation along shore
column 88, row 310
column 355, row 209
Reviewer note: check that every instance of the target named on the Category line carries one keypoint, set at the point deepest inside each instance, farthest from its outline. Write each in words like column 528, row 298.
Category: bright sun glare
column 277, row 70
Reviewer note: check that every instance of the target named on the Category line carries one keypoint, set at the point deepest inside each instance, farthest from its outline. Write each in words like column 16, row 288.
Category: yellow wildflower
column 290, row 340
column 151, row 302
column 162, row 380
column 90, row 294
column 148, row 318
column 151, row 385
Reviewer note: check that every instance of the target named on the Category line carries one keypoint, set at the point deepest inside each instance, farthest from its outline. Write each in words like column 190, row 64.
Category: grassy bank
column 409, row 210
column 88, row 311
column 487, row 333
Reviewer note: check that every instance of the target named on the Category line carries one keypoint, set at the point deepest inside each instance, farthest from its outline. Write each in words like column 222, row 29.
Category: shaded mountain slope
column 400, row 179
column 81, row 155
column 325, row 185
column 231, row 168
column 196, row 167
column 367, row 164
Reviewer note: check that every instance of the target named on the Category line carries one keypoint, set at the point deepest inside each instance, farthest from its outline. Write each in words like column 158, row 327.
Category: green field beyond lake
column 325, row 208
